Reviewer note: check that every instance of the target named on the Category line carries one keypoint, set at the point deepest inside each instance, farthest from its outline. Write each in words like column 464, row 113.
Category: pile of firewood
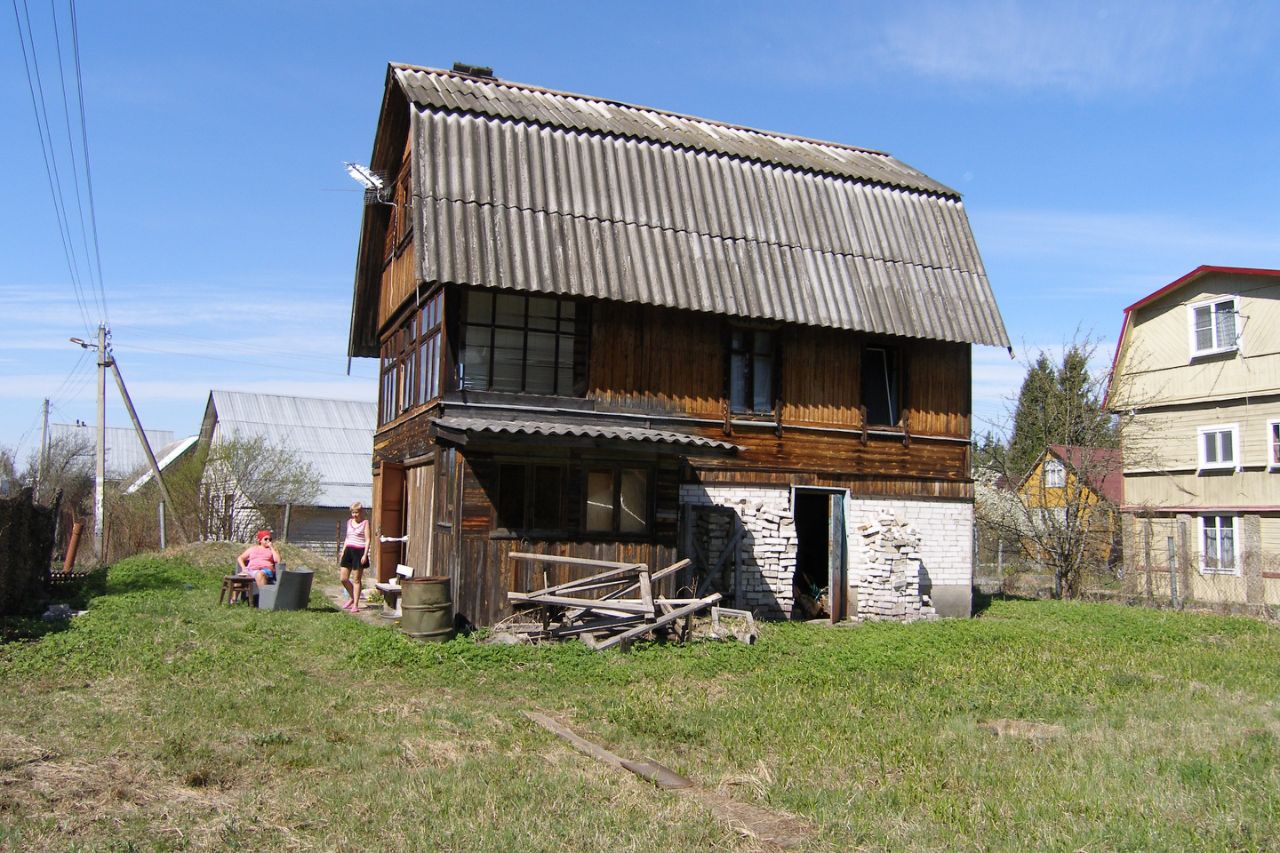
column 613, row 607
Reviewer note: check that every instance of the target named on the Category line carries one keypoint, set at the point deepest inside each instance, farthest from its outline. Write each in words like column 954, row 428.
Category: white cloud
column 1079, row 48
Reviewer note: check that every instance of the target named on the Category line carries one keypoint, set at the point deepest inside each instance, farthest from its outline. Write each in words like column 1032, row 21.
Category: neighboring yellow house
column 1196, row 380
column 1067, row 483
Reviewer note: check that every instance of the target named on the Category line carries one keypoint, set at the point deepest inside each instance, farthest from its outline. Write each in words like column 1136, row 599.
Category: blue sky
column 1103, row 150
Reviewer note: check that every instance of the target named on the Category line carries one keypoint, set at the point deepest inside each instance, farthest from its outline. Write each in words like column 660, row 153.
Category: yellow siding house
column 1196, row 382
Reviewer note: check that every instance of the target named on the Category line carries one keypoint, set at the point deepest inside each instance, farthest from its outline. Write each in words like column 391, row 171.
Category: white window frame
column 1218, row 346
column 1235, row 464
column 1059, row 471
column 1234, row 568
column 1273, row 444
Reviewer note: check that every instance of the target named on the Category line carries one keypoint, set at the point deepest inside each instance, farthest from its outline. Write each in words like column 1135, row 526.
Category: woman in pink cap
column 259, row 561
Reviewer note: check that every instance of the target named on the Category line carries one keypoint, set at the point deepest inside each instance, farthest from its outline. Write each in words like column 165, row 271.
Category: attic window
column 1055, row 474
column 1213, row 326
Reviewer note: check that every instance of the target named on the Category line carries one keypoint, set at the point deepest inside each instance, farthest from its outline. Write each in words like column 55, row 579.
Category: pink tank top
column 357, row 534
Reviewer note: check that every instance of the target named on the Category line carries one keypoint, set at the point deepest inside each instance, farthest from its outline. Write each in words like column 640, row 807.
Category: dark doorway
column 820, row 579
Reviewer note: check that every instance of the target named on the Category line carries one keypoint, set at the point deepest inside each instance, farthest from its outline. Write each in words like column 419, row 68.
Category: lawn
column 159, row 720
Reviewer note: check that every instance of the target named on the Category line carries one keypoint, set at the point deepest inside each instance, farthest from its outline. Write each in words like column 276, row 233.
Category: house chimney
column 485, row 71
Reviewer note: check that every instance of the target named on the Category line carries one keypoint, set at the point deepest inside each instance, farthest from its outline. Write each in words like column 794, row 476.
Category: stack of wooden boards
column 614, row 606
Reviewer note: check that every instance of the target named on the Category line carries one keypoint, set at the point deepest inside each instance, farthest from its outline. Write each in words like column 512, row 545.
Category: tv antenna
column 375, row 184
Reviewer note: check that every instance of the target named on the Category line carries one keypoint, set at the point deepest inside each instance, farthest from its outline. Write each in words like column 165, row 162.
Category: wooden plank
column 572, row 561
column 646, row 596
column 622, row 574
column 584, row 603
column 581, row 744
column 663, row 620
column 605, row 624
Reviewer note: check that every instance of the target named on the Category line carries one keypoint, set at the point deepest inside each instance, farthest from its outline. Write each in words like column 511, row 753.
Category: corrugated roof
column 165, row 457
column 580, row 430
column 532, row 190
column 333, row 436
column 523, row 104
column 124, row 453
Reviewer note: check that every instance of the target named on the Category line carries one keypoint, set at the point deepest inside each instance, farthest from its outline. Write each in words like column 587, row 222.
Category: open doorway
column 821, row 579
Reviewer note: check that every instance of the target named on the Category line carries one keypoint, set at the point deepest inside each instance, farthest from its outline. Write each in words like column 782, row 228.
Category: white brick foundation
column 768, row 550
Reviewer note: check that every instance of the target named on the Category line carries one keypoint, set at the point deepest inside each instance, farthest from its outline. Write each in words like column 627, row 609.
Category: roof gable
column 1174, row 287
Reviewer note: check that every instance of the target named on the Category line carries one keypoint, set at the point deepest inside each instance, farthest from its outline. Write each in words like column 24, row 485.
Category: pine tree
column 1031, row 418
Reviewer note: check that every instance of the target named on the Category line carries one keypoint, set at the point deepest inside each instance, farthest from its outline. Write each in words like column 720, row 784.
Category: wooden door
column 837, row 553
column 390, row 520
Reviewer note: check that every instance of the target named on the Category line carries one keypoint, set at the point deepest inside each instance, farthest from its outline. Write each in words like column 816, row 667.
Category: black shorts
column 352, row 558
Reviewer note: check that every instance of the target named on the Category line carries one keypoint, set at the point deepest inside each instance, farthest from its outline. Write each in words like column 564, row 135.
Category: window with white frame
column 1213, row 326
column 1273, row 445
column 1218, row 537
column 1219, row 447
column 1055, row 474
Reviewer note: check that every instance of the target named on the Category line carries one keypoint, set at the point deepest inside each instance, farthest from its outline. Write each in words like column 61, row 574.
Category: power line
column 206, row 357
column 31, row 64
column 71, row 148
column 88, row 172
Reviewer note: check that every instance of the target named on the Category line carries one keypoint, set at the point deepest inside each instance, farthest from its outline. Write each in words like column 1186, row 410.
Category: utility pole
column 100, row 468
column 146, row 446
column 44, row 448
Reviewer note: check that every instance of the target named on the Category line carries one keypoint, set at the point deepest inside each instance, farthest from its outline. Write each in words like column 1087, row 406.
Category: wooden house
column 614, row 332
column 1073, row 495
column 330, row 437
column 1196, row 379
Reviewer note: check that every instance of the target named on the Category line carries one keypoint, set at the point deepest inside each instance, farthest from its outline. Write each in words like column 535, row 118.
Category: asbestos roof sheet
column 123, row 451
column 519, row 103
column 333, row 436
column 579, row 430
column 524, row 189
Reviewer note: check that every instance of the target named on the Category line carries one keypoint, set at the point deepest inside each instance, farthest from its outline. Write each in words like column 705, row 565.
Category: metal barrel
column 426, row 610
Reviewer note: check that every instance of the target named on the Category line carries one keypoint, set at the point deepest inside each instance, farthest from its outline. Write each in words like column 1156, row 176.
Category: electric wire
column 75, row 166
column 71, row 375
column 206, row 357
column 30, row 65
column 88, row 171
column 71, row 146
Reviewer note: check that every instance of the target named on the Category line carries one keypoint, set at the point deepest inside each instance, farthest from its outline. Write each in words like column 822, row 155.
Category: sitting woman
column 259, row 561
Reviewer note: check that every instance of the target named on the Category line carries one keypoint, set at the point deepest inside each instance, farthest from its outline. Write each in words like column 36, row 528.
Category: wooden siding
column 654, row 360
column 400, row 271
column 830, row 452
column 673, row 362
column 1161, row 456
column 483, row 573
column 1156, row 367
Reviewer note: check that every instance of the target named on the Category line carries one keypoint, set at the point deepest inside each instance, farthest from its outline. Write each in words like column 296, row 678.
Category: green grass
column 159, row 720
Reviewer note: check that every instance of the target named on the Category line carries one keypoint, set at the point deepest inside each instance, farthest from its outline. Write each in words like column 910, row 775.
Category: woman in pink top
column 355, row 555
column 259, row 561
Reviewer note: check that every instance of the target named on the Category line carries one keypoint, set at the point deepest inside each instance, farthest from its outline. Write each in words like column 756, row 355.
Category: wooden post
column 160, row 510
column 1146, row 558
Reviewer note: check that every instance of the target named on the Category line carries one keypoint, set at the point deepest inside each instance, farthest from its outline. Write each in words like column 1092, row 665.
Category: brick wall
column 768, row 551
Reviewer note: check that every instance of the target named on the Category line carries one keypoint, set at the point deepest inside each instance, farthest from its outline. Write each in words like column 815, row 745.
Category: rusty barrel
column 426, row 610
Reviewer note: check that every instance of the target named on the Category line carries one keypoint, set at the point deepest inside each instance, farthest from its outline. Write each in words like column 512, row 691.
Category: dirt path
column 369, row 613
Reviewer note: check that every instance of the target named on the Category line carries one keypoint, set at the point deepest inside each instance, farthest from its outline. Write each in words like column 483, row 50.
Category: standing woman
column 355, row 555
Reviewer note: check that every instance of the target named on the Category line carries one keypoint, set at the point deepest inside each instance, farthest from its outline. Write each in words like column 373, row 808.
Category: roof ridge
column 542, row 90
